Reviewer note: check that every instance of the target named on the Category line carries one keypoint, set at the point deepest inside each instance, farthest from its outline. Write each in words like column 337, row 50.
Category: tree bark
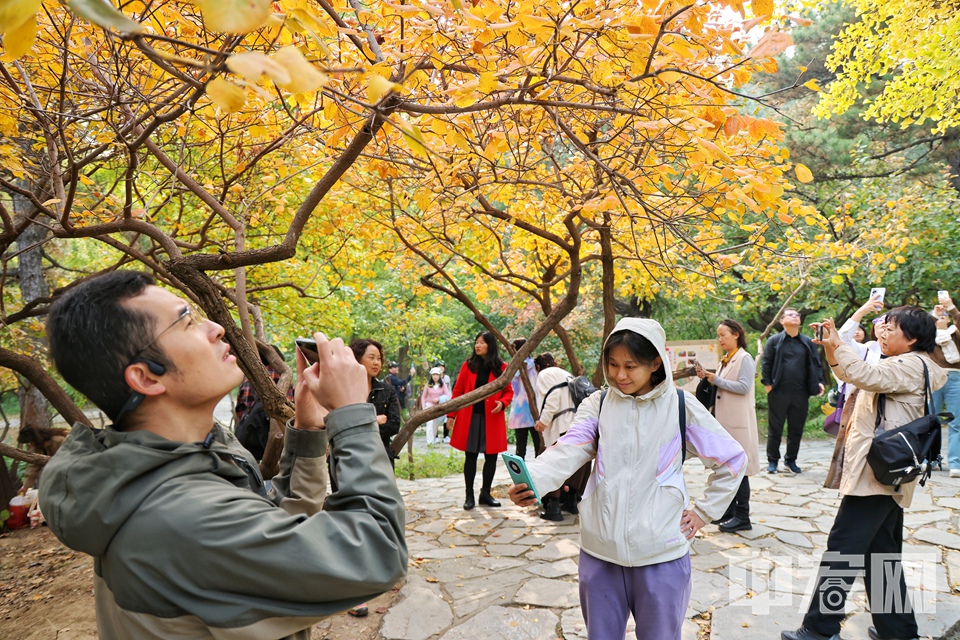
column 37, row 375
column 34, row 408
column 608, row 292
column 25, row 456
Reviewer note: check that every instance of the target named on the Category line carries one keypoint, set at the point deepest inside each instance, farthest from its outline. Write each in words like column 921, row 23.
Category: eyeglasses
column 190, row 311
column 791, row 313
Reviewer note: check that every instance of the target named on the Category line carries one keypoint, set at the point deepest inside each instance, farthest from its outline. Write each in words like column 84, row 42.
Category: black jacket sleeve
column 769, row 355
column 391, row 427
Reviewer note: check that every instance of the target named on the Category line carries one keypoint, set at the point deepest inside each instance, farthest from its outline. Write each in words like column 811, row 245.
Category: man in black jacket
column 791, row 373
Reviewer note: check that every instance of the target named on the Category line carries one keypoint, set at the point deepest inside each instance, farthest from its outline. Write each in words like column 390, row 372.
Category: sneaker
column 359, row 611
column 772, row 467
column 446, row 440
column 955, row 473
column 793, row 467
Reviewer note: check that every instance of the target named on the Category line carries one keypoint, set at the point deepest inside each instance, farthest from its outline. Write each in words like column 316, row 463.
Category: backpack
column 683, row 421
column 903, row 454
column 252, row 432
column 580, row 388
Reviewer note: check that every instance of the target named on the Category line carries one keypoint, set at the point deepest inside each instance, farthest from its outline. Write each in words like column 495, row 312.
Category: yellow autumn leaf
column 304, row 77
column 488, row 81
column 414, row 139
column 19, row 41
column 812, row 85
column 13, row 13
column 225, row 95
column 669, row 77
column 804, row 174
column 378, row 86
column 234, row 16
column 253, row 66
column 771, row 44
column 761, row 7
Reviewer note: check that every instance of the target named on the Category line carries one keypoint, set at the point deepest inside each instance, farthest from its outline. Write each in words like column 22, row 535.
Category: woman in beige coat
column 736, row 410
column 867, row 533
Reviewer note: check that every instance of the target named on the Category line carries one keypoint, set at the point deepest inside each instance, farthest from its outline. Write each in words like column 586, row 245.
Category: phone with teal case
column 517, row 469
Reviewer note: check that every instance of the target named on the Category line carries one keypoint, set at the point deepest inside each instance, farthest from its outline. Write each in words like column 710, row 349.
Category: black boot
column 487, row 500
column 551, row 509
column 568, row 502
column 726, row 514
column 469, row 502
column 741, row 513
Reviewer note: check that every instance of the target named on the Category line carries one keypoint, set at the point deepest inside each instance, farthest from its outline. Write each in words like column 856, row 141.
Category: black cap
column 393, row 364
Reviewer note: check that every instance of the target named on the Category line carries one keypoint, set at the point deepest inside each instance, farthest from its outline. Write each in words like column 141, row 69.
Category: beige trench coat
column 901, row 379
column 738, row 412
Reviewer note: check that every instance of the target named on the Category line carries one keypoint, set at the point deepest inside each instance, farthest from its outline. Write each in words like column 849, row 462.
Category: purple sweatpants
column 657, row 595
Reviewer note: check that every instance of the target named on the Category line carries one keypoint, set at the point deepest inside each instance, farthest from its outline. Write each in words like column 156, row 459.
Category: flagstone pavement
column 504, row 573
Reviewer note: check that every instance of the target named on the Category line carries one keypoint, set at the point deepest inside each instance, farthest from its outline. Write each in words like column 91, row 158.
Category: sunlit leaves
column 18, row 25
column 226, row 95
column 234, row 16
column 103, row 14
column 304, row 77
column 771, row 44
column 378, row 86
column 803, row 173
column 18, row 40
column 254, row 66
column 909, row 39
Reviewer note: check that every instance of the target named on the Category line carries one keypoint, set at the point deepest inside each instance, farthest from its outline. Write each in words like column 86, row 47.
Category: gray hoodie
column 631, row 508
column 187, row 542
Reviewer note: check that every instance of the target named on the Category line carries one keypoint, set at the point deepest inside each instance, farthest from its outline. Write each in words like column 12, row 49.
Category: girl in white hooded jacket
column 636, row 522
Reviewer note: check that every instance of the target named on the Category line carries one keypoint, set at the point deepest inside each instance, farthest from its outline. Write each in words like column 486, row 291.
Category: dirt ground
column 46, row 592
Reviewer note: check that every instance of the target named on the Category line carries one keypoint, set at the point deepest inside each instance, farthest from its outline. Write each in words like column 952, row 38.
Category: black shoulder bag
column 903, row 454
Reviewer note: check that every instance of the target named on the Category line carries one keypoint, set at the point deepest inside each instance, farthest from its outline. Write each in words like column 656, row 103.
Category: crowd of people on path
column 279, row 555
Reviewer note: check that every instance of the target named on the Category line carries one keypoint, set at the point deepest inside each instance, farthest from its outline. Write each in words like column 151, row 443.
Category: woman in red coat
column 480, row 428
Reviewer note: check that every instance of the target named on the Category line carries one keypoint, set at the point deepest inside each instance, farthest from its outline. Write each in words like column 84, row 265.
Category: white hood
column 652, row 331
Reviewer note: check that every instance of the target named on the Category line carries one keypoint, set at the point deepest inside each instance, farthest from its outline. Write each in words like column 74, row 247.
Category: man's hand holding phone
column 336, row 379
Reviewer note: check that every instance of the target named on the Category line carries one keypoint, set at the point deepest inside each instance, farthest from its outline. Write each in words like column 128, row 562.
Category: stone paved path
column 506, row 574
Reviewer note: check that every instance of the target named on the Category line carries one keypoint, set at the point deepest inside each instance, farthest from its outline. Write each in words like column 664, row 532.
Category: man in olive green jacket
column 187, row 540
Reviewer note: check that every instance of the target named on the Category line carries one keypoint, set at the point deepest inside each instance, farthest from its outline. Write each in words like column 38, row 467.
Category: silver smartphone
column 878, row 293
column 308, row 347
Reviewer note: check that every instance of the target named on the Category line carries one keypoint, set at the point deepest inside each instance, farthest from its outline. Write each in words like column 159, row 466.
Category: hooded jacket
column 636, row 494
column 187, row 543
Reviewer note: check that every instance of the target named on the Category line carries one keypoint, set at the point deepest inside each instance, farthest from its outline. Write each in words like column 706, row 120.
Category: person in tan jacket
column 867, row 533
column 736, row 409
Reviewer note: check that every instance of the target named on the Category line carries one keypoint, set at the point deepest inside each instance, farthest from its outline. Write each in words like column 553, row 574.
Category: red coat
column 496, row 436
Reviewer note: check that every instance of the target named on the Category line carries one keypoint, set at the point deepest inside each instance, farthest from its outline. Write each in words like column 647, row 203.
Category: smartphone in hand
column 877, row 293
column 517, row 469
column 820, row 332
column 308, row 347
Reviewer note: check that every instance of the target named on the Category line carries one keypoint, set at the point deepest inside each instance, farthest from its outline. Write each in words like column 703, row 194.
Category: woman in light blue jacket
column 636, row 521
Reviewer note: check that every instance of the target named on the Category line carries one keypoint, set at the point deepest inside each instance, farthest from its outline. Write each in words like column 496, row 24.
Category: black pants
column 790, row 406
column 865, row 528
column 470, row 471
column 521, row 436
